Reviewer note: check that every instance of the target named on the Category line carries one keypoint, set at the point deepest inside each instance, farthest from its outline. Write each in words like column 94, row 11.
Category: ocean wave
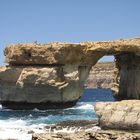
column 83, row 105
column 18, row 129
column 0, row 107
column 22, row 129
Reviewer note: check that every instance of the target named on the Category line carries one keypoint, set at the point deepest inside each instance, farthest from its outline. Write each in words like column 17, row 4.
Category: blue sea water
column 17, row 124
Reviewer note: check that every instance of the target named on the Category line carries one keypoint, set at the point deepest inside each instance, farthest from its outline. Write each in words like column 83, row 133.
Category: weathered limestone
column 99, row 135
column 123, row 115
column 51, row 87
column 53, row 75
column 128, row 76
column 87, row 53
column 53, row 54
column 101, row 75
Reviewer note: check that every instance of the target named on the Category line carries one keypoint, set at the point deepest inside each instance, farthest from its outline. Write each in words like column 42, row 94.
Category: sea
column 20, row 124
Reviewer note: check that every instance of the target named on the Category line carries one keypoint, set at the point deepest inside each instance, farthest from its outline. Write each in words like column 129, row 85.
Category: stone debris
column 99, row 135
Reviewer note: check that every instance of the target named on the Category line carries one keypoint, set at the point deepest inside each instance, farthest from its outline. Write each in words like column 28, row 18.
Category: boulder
column 123, row 115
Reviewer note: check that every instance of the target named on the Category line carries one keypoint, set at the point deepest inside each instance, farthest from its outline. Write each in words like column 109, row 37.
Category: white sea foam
column 18, row 126
column 0, row 107
column 18, row 129
column 83, row 105
column 75, row 129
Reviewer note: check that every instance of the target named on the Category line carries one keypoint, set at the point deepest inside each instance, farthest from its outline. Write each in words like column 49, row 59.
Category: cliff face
column 51, row 87
column 101, row 75
column 55, row 73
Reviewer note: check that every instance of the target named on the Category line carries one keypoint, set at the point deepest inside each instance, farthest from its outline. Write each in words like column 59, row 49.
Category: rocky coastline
column 53, row 76
column 98, row 135
column 57, row 72
column 117, row 121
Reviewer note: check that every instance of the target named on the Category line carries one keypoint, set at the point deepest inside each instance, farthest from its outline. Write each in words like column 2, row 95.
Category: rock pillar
column 41, row 87
column 128, row 76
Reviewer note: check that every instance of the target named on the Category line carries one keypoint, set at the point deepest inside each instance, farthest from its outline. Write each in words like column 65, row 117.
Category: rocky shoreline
column 98, row 135
column 118, row 120
column 55, row 73
column 73, row 126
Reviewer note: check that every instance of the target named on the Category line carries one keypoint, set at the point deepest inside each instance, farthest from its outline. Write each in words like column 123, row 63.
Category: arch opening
column 100, row 79
column 121, row 77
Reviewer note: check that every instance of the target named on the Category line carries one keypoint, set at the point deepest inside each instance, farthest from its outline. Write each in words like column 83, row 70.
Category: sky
column 25, row 21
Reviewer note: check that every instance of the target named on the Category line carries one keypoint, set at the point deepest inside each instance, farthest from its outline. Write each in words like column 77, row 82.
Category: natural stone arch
column 56, row 72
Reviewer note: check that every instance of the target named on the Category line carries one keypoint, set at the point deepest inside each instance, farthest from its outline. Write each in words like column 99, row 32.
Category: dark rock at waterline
column 31, row 132
column 42, row 106
column 77, row 123
column 73, row 125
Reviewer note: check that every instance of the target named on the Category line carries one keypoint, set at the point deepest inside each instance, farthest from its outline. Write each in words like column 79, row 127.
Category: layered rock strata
column 101, row 75
column 86, row 53
column 41, row 87
column 123, row 115
column 127, row 80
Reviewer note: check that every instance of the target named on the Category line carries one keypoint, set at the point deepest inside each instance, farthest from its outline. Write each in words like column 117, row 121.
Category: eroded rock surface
column 45, row 86
column 86, row 53
column 99, row 135
column 56, row 72
column 101, row 75
column 128, row 76
column 119, row 115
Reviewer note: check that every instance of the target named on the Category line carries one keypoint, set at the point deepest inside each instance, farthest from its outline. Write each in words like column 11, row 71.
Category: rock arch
column 53, row 75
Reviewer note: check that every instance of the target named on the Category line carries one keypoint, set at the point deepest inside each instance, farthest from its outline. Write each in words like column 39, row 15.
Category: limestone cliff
column 51, row 87
column 101, row 75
